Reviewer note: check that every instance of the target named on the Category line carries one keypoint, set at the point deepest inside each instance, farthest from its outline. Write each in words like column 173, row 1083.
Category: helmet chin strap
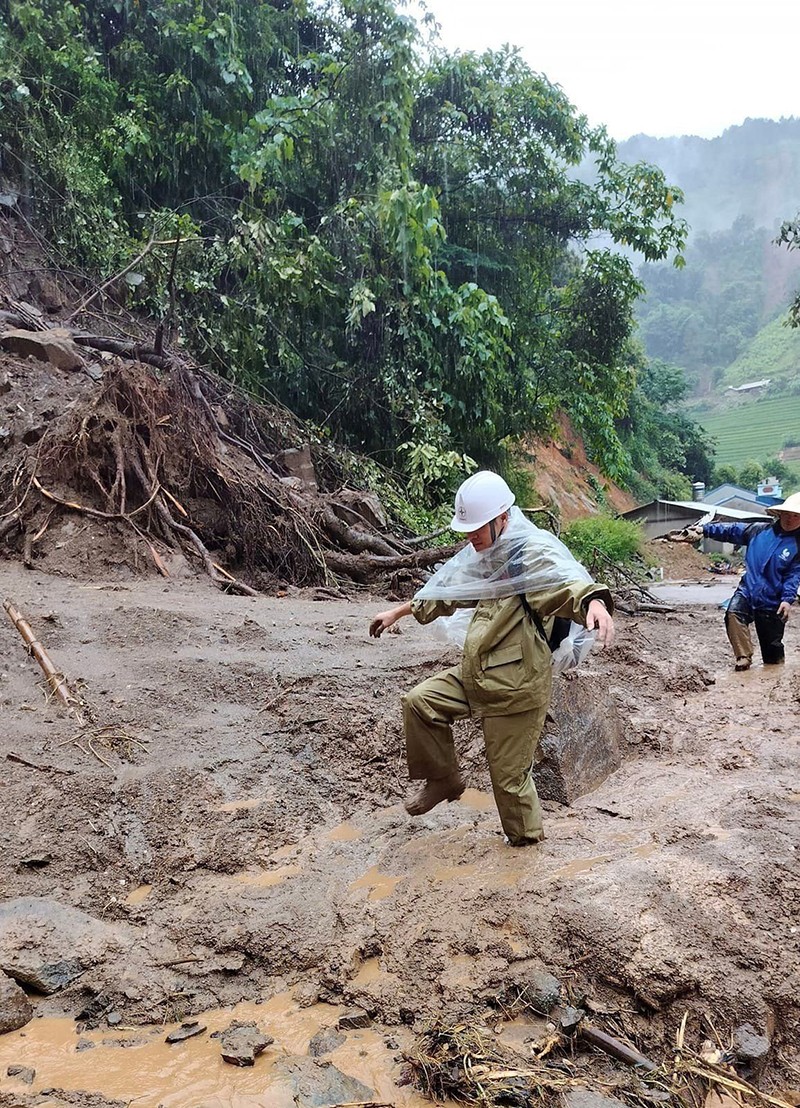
column 493, row 531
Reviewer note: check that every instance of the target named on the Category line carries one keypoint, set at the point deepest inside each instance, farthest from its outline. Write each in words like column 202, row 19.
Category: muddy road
column 230, row 830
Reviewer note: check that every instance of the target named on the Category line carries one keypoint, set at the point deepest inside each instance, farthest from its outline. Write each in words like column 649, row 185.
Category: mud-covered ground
column 233, row 820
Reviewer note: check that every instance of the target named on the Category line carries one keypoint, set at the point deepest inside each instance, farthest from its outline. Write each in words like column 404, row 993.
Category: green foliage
column 433, row 472
column 789, row 237
column 667, row 448
column 598, row 491
column 725, row 474
column 750, row 474
column 619, row 540
column 773, row 353
column 392, row 243
column 674, row 486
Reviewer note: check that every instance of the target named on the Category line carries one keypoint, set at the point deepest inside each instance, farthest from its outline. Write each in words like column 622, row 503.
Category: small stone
column 37, row 861
column 185, row 1031
column 540, row 990
column 353, row 1019
column 750, row 1047
column 113, row 1019
column 22, row 1073
column 84, row 1044
column 570, row 1019
column 588, row 1098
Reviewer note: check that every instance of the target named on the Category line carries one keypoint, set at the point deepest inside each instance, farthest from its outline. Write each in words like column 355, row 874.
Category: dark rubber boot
column 433, row 792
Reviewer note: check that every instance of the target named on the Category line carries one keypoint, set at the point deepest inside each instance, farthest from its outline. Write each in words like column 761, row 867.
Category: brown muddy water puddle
column 148, row 1073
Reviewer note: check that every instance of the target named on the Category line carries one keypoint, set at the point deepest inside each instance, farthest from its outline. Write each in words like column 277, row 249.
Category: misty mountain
column 752, row 170
column 738, row 189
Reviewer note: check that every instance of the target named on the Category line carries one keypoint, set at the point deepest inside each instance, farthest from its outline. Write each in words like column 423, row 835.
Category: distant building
column 659, row 517
column 750, row 386
column 769, row 491
column 729, row 495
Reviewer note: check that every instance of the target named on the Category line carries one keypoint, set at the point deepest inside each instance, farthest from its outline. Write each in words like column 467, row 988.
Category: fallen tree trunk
column 366, row 567
column 137, row 352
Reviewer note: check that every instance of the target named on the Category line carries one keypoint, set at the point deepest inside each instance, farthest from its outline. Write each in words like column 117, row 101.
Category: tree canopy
column 389, row 238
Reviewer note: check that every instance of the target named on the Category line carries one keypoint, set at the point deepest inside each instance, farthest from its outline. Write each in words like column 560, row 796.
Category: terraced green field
column 757, row 430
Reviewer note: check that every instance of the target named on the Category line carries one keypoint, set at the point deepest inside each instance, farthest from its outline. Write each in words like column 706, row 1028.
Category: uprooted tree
column 148, row 442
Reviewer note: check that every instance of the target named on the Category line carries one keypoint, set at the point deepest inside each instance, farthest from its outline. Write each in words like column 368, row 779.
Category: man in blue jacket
column 770, row 584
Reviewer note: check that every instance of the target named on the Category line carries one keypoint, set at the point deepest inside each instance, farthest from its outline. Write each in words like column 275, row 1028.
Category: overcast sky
column 662, row 67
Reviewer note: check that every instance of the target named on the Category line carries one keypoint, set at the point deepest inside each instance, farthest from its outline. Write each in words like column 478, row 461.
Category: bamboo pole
column 56, row 680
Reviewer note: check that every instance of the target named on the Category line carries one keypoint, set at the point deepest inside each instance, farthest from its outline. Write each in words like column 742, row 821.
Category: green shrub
column 619, row 540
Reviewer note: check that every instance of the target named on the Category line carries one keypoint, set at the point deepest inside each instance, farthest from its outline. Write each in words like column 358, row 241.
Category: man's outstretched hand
column 381, row 623
column 384, row 620
column 598, row 618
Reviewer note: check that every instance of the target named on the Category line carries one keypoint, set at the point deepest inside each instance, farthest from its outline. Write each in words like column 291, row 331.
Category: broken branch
column 55, row 679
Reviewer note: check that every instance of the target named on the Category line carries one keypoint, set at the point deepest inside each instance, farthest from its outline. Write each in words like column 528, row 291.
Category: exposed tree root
column 187, row 463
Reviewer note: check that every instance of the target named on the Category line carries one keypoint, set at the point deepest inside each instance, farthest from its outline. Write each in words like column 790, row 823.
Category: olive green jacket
column 506, row 664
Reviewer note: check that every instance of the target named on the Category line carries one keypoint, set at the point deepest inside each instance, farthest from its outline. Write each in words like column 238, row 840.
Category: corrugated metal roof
column 701, row 507
column 719, row 509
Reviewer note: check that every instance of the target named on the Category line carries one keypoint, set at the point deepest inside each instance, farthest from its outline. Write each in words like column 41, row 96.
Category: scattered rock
column 299, row 465
column 751, row 1048
column 581, row 747
column 185, row 1031
column 5, row 385
column 47, row 945
column 325, row 1040
column 55, row 347
column 306, row 994
column 113, row 1019
column 353, row 1018
column 241, row 1042
column 15, row 1008
column 534, row 987
column 570, row 1019
column 315, row 1084
column 588, row 1098
column 37, row 861
column 84, row 1044
column 22, row 1073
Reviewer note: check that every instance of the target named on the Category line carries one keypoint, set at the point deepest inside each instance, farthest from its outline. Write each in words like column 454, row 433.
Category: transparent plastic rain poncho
column 524, row 559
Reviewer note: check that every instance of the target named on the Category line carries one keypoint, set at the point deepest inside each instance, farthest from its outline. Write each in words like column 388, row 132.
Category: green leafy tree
column 725, row 474
column 750, row 474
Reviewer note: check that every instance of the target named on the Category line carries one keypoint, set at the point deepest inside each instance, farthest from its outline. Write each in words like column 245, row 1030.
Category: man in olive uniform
column 505, row 675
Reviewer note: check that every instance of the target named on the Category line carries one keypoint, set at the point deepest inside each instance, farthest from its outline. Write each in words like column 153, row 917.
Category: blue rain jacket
column 772, row 561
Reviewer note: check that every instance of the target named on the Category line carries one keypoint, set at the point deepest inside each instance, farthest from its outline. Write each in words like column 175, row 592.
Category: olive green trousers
column 510, row 741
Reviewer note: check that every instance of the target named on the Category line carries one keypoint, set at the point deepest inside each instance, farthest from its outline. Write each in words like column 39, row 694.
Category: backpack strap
column 560, row 625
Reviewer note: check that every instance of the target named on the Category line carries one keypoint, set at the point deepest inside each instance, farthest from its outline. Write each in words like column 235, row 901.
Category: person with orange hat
column 770, row 583
column 510, row 581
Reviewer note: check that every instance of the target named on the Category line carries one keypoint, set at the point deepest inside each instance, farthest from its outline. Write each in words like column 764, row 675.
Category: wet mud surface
column 233, row 823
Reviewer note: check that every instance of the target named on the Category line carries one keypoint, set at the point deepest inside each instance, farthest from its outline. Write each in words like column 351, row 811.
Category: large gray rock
column 15, row 1008
column 314, row 1084
column 55, row 346
column 47, row 945
column 582, row 739
column 242, row 1042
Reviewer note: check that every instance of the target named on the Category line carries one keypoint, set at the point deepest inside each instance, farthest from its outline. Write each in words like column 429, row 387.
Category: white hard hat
column 790, row 504
column 482, row 497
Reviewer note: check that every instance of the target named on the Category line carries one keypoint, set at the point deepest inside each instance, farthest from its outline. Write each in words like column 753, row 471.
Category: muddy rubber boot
column 742, row 664
column 433, row 792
